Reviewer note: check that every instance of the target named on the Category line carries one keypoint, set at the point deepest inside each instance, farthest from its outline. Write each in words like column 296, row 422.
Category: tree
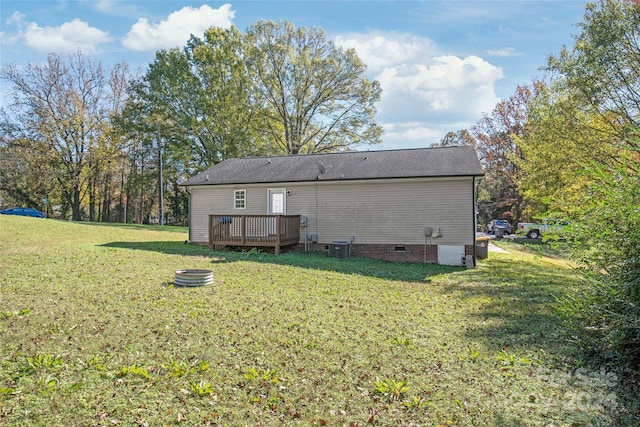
column 200, row 94
column 562, row 139
column 586, row 124
column 585, row 114
column 210, row 99
column 60, row 111
column 602, row 69
column 138, row 157
column 104, row 164
column 25, row 178
column 495, row 135
column 314, row 94
column 455, row 139
column 606, row 240
column 199, row 97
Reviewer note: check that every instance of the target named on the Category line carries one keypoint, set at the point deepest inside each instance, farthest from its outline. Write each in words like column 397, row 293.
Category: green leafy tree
column 602, row 69
column 581, row 156
column 200, row 95
column 314, row 94
column 138, row 159
column 560, row 141
column 584, row 114
column 606, row 239
column 25, row 179
column 136, row 129
column 213, row 100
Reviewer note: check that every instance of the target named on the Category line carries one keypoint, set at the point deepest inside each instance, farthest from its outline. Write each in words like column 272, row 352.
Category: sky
column 441, row 64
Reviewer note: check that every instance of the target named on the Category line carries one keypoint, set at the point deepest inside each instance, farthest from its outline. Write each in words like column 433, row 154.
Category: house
column 412, row 205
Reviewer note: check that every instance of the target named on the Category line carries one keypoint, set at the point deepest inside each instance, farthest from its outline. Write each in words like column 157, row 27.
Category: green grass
column 92, row 332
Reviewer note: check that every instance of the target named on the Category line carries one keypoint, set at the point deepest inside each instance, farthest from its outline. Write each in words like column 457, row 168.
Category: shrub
column 607, row 248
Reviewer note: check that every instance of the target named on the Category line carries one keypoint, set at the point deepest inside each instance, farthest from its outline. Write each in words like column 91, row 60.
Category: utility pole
column 160, row 195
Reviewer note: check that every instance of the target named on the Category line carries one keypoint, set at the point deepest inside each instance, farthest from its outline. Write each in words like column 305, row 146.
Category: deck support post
column 243, row 229
column 277, row 249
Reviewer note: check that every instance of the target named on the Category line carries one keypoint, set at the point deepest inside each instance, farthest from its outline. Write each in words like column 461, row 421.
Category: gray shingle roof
column 412, row 163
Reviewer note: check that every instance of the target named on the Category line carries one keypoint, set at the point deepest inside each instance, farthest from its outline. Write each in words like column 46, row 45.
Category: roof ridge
column 390, row 150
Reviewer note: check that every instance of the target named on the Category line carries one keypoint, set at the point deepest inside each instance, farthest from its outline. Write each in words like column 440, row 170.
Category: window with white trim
column 239, row 199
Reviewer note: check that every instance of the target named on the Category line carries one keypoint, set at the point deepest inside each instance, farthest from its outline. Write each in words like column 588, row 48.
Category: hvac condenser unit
column 339, row 249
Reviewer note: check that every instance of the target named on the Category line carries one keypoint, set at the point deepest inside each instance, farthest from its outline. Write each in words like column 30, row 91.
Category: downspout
column 473, row 217
column 191, row 210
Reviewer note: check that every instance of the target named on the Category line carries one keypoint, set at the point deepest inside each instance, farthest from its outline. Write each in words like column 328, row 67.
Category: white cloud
column 119, row 8
column 70, row 36
column 504, row 51
column 417, row 132
column 104, row 5
column 456, row 84
column 411, row 134
column 422, row 86
column 16, row 18
column 381, row 50
column 177, row 28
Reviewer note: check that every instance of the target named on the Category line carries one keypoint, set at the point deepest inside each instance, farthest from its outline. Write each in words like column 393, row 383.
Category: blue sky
column 441, row 64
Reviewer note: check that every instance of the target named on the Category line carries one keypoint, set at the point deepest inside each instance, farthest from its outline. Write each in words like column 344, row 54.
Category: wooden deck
column 254, row 230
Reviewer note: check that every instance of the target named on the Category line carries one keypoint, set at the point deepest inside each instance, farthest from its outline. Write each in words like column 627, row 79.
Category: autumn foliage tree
column 495, row 141
column 59, row 119
column 456, row 139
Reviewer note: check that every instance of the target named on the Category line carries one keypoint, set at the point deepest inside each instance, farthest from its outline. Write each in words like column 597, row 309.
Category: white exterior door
column 278, row 201
column 277, row 206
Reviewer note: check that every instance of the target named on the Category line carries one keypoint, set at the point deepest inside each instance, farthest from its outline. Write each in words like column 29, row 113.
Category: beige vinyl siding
column 204, row 202
column 219, row 199
column 373, row 211
column 396, row 212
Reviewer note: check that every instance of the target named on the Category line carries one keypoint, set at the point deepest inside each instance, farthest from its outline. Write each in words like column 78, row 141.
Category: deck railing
column 254, row 230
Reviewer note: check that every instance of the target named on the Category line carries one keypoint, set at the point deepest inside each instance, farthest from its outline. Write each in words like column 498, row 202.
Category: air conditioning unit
column 339, row 249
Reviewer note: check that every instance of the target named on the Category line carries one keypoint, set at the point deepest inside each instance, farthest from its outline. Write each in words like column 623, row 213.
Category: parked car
column 23, row 212
column 491, row 227
column 534, row 230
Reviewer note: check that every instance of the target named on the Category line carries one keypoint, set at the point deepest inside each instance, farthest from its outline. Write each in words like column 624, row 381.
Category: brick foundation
column 399, row 252
column 403, row 253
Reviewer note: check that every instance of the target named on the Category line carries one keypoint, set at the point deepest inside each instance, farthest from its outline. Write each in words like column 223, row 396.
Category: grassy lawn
column 92, row 332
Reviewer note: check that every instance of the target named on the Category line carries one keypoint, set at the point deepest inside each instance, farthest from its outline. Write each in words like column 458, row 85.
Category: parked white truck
column 534, row 230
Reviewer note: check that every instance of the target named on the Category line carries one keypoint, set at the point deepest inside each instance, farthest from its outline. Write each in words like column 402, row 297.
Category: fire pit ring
column 193, row 277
